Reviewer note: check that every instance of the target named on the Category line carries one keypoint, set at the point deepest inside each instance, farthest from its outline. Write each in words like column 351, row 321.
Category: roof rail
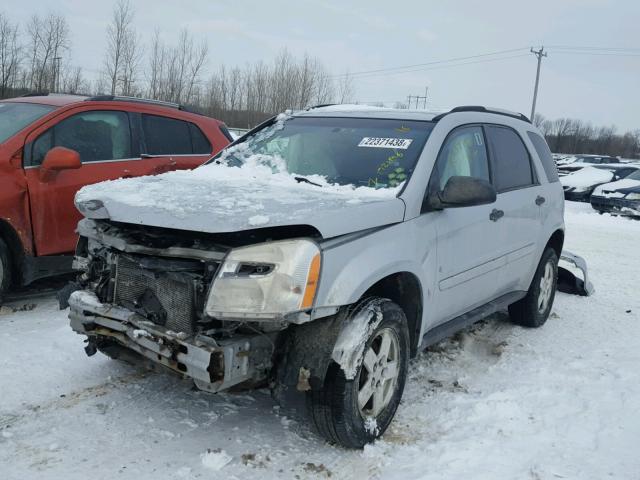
column 479, row 108
column 117, row 98
column 35, row 94
column 321, row 105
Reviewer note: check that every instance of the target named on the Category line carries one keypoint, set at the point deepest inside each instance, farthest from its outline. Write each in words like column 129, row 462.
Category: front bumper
column 618, row 206
column 577, row 196
column 214, row 365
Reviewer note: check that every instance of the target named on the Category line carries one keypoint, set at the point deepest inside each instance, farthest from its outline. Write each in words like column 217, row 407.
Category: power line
column 615, row 49
column 435, row 62
column 603, row 54
column 438, row 67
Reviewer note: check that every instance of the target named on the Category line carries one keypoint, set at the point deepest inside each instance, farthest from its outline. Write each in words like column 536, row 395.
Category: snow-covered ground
column 498, row 402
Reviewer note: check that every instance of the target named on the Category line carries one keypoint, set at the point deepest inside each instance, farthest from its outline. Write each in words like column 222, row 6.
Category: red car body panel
column 37, row 214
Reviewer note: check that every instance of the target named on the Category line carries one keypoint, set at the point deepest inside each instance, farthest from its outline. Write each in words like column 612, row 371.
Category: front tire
column 5, row 269
column 533, row 310
column 354, row 412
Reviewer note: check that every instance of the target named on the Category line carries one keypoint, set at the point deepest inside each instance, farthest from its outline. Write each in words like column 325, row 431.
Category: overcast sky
column 361, row 36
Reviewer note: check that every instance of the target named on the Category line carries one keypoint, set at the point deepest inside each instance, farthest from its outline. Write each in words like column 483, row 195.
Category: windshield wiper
column 306, row 180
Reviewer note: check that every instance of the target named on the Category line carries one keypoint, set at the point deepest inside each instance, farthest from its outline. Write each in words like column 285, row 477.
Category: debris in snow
column 371, row 425
column 137, row 333
column 313, row 468
column 257, row 220
column 215, row 459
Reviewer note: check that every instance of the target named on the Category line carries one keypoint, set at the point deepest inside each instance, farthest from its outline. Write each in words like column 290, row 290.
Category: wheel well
column 404, row 289
column 556, row 241
column 10, row 237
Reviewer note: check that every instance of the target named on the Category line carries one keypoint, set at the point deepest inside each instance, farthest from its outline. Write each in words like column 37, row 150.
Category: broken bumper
column 568, row 282
column 213, row 365
column 616, row 206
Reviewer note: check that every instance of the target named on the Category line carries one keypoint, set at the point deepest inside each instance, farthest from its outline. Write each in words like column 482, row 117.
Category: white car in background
column 579, row 185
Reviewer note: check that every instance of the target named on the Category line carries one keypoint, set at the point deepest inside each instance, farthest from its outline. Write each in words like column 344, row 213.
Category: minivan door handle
column 540, row 200
column 496, row 215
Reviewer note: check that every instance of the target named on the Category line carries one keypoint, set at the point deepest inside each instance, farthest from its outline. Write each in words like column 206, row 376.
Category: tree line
column 569, row 135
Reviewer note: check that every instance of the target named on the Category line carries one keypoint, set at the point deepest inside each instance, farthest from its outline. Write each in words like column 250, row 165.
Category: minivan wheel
column 354, row 412
column 5, row 269
column 533, row 310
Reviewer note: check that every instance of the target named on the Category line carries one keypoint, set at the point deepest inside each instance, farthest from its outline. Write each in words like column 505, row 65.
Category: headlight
column 266, row 281
column 632, row 196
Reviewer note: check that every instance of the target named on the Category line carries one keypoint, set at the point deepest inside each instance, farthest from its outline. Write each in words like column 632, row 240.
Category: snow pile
column 586, row 177
column 215, row 459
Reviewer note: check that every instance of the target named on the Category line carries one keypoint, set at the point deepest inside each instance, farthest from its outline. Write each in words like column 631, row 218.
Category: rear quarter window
column 542, row 149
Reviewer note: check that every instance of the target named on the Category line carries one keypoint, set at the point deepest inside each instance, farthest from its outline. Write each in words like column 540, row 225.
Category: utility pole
column 56, row 74
column 418, row 99
column 539, row 54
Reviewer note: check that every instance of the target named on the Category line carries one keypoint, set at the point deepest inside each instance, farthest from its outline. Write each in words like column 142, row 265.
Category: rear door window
column 201, row 145
column 511, row 164
column 166, row 136
column 95, row 135
column 542, row 149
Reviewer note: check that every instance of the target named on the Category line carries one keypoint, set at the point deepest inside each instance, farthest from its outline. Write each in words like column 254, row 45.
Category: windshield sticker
column 378, row 142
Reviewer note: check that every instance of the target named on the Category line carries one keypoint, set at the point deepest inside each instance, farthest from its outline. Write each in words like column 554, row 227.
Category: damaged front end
column 149, row 291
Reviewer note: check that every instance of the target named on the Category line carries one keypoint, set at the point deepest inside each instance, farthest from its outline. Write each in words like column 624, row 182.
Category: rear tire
column 533, row 310
column 354, row 412
column 5, row 269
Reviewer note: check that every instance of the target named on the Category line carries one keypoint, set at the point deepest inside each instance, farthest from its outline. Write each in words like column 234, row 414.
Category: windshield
column 378, row 153
column 635, row 175
column 15, row 116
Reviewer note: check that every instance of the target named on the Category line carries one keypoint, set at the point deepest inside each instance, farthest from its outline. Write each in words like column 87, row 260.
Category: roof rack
column 321, row 105
column 117, row 98
column 35, row 94
column 479, row 108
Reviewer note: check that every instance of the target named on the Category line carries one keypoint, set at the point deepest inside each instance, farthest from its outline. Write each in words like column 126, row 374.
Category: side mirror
column 59, row 158
column 463, row 192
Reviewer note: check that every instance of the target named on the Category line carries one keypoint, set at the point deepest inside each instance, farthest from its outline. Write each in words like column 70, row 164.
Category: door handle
column 540, row 200
column 496, row 215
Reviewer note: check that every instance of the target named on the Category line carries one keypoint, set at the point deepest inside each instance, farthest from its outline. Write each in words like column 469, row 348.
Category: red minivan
column 52, row 145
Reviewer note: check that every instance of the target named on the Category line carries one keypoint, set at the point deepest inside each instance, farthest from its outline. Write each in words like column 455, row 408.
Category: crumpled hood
column 219, row 199
column 623, row 186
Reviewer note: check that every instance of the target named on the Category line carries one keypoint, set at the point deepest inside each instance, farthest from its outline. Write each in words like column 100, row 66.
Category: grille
column 175, row 294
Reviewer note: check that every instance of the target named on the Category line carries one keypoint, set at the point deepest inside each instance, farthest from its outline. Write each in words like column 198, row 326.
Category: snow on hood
column 216, row 198
column 620, row 184
column 586, row 177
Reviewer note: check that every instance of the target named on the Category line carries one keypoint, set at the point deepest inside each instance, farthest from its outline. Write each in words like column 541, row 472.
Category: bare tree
column 119, row 34
column 74, row 82
column 131, row 59
column 345, row 89
column 10, row 55
column 48, row 41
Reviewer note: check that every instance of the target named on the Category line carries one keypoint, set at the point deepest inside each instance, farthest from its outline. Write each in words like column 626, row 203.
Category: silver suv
column 321, row 251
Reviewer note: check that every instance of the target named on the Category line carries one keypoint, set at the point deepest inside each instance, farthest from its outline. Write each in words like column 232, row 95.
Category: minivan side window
column 510, row 161
column 542, row 149
column 464, row 153
column 95, row 135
